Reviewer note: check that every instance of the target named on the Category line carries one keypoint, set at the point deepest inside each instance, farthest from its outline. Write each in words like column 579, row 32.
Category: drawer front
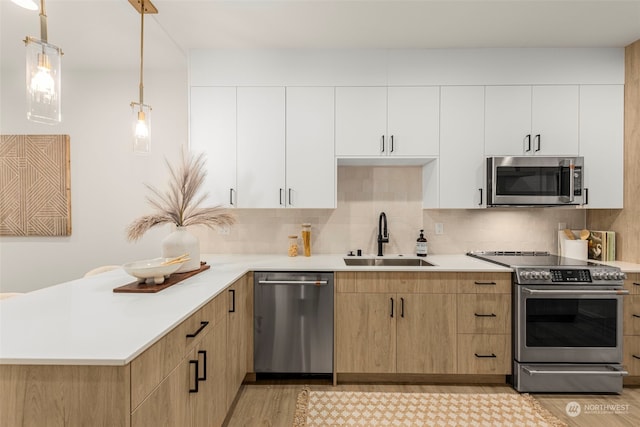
column 405, row 282
column 484, row 354
column 632, row 283
column 631, row 354
column 484, row 314
column 484, row 283
column 156, row 362
column 631, row 315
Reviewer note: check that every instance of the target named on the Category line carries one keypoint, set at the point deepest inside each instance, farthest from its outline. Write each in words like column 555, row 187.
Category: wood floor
column 273, row 404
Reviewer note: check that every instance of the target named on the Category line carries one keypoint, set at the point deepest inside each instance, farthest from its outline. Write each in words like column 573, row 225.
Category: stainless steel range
column 567, row 323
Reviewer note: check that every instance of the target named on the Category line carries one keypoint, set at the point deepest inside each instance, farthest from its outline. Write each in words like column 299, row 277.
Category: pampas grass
column 180, row 203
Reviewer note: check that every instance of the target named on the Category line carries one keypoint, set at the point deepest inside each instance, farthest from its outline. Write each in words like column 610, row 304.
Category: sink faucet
column 383, row 235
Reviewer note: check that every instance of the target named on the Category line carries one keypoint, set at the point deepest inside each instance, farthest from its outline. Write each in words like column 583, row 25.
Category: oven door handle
column 576, row 292
column 613, row 372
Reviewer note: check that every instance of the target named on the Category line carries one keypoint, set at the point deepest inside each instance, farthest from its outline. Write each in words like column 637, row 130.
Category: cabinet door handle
column 382, row 151
column 203, row 325
column 635, row 356
column 485, row 315
column 290, row 202
column 586, row 196
column 485, row 355
column 401, row 307
column 391, row 306
column 391, row 151
column 204, row 366
column 231, row 196
column 281, row 191
column 636, row 284
column 195, row 378
column 233, row 300
column 637, row 315
column 480, row 190
column 485, row 283
column 528, row 138
column 538, row 144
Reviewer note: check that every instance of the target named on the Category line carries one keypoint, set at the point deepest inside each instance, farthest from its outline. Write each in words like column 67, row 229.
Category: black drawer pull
column 484, row 315
column 195, row 388
column 636, row 284
column 635, row 357
column 485, row 355
column 203, row 325
column 391, row 306
column 233, row 300
column 485, row 283
column 636, row 315
column 204, row 366
column 401, row 307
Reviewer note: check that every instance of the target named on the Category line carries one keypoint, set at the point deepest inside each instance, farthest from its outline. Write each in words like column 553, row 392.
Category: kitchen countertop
column 83, row 322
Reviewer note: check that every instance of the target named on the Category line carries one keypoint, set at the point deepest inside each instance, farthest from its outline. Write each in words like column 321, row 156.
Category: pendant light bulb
column 42, row 84
column 142, row 131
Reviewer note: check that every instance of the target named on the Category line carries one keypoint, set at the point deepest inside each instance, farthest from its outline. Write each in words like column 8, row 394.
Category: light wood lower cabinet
column 379, row 330
column 423, row 323
column 239, row 334
column 211, row 350
column 631, row 328
column 365, row 333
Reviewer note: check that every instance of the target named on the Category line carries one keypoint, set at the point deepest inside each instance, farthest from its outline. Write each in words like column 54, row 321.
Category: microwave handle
column 572, row 167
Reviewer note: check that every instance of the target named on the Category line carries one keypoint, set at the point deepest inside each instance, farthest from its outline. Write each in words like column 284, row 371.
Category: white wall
column 107, row 179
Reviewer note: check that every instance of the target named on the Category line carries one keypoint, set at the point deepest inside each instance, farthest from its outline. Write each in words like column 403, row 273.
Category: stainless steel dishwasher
column 293, row 322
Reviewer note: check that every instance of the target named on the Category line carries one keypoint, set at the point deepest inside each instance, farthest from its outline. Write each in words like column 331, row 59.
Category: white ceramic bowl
column 151, row 270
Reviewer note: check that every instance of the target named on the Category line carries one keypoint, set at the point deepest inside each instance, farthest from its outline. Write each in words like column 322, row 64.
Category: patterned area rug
column 345, row 408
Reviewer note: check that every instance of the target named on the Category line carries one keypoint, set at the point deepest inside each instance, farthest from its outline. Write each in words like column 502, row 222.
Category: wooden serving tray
column 143, row 288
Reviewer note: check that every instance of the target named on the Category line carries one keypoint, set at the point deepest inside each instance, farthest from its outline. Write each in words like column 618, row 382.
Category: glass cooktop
column 529, row 259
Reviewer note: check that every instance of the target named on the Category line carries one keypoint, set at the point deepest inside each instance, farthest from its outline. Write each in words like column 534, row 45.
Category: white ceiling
column 106, row 33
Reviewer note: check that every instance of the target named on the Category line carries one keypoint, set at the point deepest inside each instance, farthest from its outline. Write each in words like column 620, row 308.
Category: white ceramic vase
column 181, row 242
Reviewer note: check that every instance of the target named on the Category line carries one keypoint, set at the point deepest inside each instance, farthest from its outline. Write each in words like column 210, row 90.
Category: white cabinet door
column 554, row 123
column 212, row 124
column 461, row 147
column 361, row 121
column 413, row 126
column 601, row 144
column 261, row 147
column 508, row 121
column 311, row 164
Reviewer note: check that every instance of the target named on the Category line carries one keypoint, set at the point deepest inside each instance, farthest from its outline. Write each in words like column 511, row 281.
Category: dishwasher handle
column 294, row 282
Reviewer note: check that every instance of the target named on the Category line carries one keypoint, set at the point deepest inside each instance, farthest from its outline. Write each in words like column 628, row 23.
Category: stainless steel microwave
column 534, row 181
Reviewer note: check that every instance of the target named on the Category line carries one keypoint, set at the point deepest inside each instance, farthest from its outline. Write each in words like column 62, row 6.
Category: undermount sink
column 387, row 262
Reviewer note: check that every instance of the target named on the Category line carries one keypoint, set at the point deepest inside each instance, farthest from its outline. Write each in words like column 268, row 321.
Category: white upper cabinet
column 461, row 147
column 601, row 145
column 380, row 121
column 261, row 147
column 361, row 121
column 531, row 120
column 212, row 122
column 413, row 125
column 554, row 120
column 310, row 159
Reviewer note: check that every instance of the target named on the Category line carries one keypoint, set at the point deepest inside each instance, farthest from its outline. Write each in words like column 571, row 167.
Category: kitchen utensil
column 152, row 271
column 569, row 234
column 584, row 234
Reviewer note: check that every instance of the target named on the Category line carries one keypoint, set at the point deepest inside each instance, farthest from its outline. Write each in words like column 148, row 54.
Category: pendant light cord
column 43, row 22
column 141, row 51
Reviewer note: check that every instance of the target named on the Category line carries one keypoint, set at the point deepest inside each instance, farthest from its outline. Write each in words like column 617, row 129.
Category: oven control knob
column 535, row 274
column 525, row 275
column 596, row 275
column 609, row 275
column 546, row 275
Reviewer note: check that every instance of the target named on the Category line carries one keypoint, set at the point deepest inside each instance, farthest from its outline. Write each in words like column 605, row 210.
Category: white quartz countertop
column 83, row 322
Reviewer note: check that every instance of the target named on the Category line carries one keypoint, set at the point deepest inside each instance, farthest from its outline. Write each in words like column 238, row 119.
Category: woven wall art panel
column 35, row 185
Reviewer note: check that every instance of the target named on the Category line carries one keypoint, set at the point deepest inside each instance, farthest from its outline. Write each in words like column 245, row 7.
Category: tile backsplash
column 364, row 192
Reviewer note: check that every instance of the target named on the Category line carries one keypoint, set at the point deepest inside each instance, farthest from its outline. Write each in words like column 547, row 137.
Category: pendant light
column 142, row 111
column 43, row 72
